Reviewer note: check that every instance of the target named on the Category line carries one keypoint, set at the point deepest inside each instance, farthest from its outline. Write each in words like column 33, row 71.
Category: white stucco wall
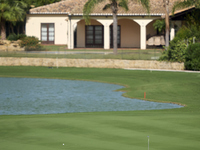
column 81, row 34
column 33, row 26
column 130, row 33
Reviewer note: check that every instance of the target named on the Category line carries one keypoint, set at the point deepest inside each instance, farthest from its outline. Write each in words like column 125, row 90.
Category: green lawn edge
column 168, row 129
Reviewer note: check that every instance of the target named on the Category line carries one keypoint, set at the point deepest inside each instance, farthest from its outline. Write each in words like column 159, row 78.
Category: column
column 106, row 22
column 143, row 23
column 73, row 23
column 172, row 32
column 68, row 31
column 143, row 36
column 71, row 36
column 106, row 36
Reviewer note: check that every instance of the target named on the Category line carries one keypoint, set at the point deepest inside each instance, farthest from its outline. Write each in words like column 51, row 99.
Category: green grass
column 90, row 54
column 173, row 129
column 64, row 48
column 55, row 47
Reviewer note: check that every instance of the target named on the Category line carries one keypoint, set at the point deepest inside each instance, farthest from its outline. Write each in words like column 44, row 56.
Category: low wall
column 90, row 63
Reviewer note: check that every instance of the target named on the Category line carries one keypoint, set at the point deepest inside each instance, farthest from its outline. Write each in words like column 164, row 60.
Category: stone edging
column 90, row 63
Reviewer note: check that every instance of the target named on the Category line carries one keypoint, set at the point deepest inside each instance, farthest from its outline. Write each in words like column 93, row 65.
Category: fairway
column 171, row 129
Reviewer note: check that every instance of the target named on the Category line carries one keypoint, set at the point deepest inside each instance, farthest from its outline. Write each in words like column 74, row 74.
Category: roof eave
column 120, row 14
column 49, row 13
column 96, row 14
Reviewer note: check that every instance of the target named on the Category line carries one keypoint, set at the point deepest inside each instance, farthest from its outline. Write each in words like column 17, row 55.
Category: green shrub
column 31, row 43
column 21, row 36
column 12, row 37
column 15, row 37
column 175, row 52
column 187, row 32
column 192, row 58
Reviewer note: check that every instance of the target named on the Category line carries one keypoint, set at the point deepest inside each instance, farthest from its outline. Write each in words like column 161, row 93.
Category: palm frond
column 106, row 6
column 8, row 16
column 145, row 4
column 123, row 4
column 4, row 7
column 13, row 10
column 88, row 7
column 23, row 4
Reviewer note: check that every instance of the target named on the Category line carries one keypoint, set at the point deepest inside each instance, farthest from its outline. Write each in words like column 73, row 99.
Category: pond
column 51, row 96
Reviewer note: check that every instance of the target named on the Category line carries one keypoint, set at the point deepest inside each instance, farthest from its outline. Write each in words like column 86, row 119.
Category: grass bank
column 174, row 129
column 87, row 54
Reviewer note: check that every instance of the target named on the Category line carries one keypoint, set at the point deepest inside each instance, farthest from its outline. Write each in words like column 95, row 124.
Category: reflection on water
column 51, row 96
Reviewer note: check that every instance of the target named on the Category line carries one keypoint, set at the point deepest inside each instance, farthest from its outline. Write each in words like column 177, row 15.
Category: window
column 118, row 36
column 47, row 33
column 94, row 36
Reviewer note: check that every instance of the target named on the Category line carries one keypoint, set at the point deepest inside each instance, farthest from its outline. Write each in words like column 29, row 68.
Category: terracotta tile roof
column 76, row 7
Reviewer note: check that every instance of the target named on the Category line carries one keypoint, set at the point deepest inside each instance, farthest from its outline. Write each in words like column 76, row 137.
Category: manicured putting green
column 174, row 129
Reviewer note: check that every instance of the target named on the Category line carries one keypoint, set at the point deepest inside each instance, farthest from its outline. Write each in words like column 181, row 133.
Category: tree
column 166, row 6
column 10, row 11
column 37, row 3
column 14, row 12
column 160, row 26
column 192, row 26
column 113, row 5
column 43, row 2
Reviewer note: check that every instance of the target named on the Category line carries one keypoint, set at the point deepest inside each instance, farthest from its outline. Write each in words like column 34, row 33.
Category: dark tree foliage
column 37, row 3
column 192, row 61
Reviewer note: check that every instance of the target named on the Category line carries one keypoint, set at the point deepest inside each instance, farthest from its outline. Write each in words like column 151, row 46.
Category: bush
column 15, row 37
column 178, row 50
column 12, row 37
column 188, row 32
column 192, row 58
column 31, row 43
column 175, row 51
column 21, row 36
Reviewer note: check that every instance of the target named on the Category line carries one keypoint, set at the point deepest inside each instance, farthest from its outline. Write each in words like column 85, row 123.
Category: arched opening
column 90, row 35
column 130, row 33
column 153, row 37
column 150, row 30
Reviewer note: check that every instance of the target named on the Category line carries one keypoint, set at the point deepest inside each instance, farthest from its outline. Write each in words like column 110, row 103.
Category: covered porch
column 133, row 32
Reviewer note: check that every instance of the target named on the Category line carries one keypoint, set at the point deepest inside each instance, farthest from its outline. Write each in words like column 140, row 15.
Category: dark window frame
column 94, row 44
column 47, row 25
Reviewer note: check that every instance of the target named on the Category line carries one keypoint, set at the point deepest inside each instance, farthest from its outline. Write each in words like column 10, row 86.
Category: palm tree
column 113, row 5
column 166, row 6
column 11, row 11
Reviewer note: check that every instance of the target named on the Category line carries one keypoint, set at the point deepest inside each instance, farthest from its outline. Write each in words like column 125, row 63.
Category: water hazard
column 52, row 96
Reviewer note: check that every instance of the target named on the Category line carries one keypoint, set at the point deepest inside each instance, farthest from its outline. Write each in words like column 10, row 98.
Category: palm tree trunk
column 114, row 33
column 23, row 27
column 18, row 28
column 12, row 28
column 3, row 29
column 167, row 24
column 167, row 32
column 9, row 30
